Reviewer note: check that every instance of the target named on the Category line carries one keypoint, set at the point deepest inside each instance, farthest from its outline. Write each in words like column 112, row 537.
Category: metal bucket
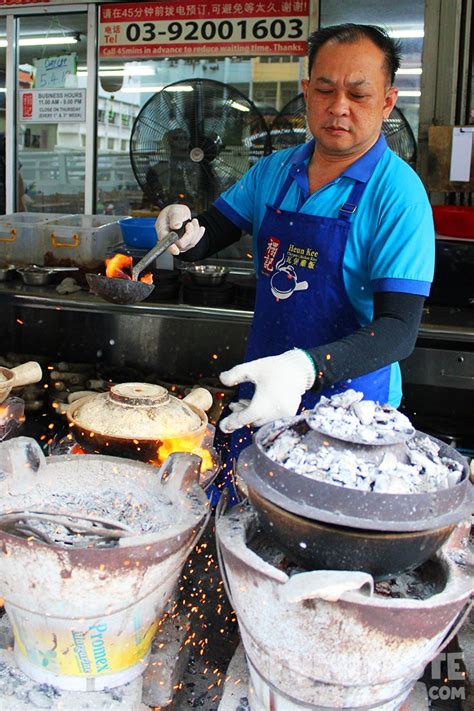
column 321, row 640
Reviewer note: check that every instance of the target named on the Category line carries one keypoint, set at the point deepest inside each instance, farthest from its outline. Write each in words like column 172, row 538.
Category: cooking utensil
column 140, row 421
column 320, row 546
column 323, row 525
column 126, row 291
column 6, row 272
column 35, row 275
column 207, row 274
column 353, row 508
column 24, row 374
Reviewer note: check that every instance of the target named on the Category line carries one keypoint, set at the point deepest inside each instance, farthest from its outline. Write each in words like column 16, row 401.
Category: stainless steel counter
column 172, row 337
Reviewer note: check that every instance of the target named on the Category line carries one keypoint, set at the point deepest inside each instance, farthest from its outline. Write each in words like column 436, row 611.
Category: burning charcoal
column 20, row 461
column 365, row 411
column 346, row 399
column 388, row 463
column 416, row 468
column 348, row 417
column 390, row 484
column 368, row 435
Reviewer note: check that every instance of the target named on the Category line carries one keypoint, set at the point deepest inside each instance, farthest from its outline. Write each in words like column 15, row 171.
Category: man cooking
column 343, row 244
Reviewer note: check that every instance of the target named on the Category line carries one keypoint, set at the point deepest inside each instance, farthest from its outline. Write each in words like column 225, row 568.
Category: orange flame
column 183, row 445
column 120, row 267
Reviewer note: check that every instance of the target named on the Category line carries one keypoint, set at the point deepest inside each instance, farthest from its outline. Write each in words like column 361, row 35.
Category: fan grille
column 289, row 129
column 191, row 141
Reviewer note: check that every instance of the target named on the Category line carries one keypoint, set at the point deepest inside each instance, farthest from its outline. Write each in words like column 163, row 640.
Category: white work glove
column 280, row 381
column 171, row 218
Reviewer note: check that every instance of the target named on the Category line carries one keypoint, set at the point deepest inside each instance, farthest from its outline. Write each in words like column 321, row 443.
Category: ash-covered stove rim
column 232, row 535
column 343, row 506
column 191, row 505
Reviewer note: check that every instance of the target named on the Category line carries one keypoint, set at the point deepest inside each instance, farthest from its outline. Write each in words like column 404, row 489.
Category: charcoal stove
column 321, row 525
column 325, row 640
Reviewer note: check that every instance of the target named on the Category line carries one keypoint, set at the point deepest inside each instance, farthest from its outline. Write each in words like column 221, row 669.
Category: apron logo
column 285, row 281
column 270, row 255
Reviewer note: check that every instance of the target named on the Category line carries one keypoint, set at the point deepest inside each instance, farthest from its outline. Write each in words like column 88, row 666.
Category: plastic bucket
column 84, row 617
column 139, row 232
column 84, row 654
column 454, row 220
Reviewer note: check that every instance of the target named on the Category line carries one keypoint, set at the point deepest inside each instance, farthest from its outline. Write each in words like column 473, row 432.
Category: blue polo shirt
column 391, row 244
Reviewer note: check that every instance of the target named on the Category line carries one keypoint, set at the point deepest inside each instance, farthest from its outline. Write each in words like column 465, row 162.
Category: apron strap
column 350, row 206
column 284, row 189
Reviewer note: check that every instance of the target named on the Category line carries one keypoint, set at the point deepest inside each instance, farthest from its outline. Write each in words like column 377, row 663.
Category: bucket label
column 94, row 648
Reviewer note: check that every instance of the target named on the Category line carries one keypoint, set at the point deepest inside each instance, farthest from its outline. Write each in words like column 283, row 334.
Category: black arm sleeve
column 220, row 233
column 390, row 337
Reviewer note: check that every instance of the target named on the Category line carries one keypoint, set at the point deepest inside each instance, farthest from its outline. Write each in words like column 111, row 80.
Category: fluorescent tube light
column 406, row 34
column 239, row 107
column 152, row 89
column 40, row 41
column 410, row 70
column 120, row 72
column 409, row 93
column 183, row 87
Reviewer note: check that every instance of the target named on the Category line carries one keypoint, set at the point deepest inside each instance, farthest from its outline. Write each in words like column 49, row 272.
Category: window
column 397, row 18
column 51, row 155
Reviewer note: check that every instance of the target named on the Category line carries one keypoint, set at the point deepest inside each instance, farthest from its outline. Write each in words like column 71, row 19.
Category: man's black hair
column 350, row 33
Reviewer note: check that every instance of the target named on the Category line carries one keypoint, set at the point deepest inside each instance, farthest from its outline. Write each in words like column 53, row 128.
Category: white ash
column 347, row 416
column 141, row 514
column 424, row 471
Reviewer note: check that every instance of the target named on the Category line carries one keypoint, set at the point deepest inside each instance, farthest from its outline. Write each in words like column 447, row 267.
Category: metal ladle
column 131, row 291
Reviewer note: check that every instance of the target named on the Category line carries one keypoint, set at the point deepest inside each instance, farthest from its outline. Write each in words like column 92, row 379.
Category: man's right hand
column 171, row 218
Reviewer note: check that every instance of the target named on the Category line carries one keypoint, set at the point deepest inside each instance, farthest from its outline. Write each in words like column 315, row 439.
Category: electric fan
column 192, row 140
column 289, row 129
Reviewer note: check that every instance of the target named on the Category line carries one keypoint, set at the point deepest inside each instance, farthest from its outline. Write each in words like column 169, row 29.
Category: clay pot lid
column 138, row 411
column 139, row 394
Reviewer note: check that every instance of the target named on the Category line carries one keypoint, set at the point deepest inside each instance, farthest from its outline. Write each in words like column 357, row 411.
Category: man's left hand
column 280, row 381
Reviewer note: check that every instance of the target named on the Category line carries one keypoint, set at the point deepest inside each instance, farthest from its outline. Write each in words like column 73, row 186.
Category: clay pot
column 140, row 421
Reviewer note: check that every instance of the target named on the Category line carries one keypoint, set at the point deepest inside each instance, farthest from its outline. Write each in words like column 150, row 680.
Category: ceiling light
column 409, row 93
column 410, row 70
column 181, row 87
column 239, row 107
column 152, row 89
column 40, row 41
column 406, row 34
column 120, row 72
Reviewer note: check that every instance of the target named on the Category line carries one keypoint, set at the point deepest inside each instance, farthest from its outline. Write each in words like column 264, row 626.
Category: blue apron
column 301, row 302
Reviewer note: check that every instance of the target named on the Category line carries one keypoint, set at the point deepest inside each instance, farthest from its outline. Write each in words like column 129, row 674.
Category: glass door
column 51, row 113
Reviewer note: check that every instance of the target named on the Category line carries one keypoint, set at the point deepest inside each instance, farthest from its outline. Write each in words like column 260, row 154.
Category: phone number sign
column 186, row 29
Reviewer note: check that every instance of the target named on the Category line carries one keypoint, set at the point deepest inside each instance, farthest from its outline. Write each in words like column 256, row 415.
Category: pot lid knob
column 145, row 394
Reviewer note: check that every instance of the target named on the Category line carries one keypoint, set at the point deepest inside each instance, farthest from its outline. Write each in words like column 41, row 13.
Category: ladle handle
column 27, row 373
column 160, row 247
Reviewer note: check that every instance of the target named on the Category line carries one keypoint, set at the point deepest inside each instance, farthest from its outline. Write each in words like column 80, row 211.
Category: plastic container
column 139, row 232
column 454, row 221
column 22, row 236
column 81, row 240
